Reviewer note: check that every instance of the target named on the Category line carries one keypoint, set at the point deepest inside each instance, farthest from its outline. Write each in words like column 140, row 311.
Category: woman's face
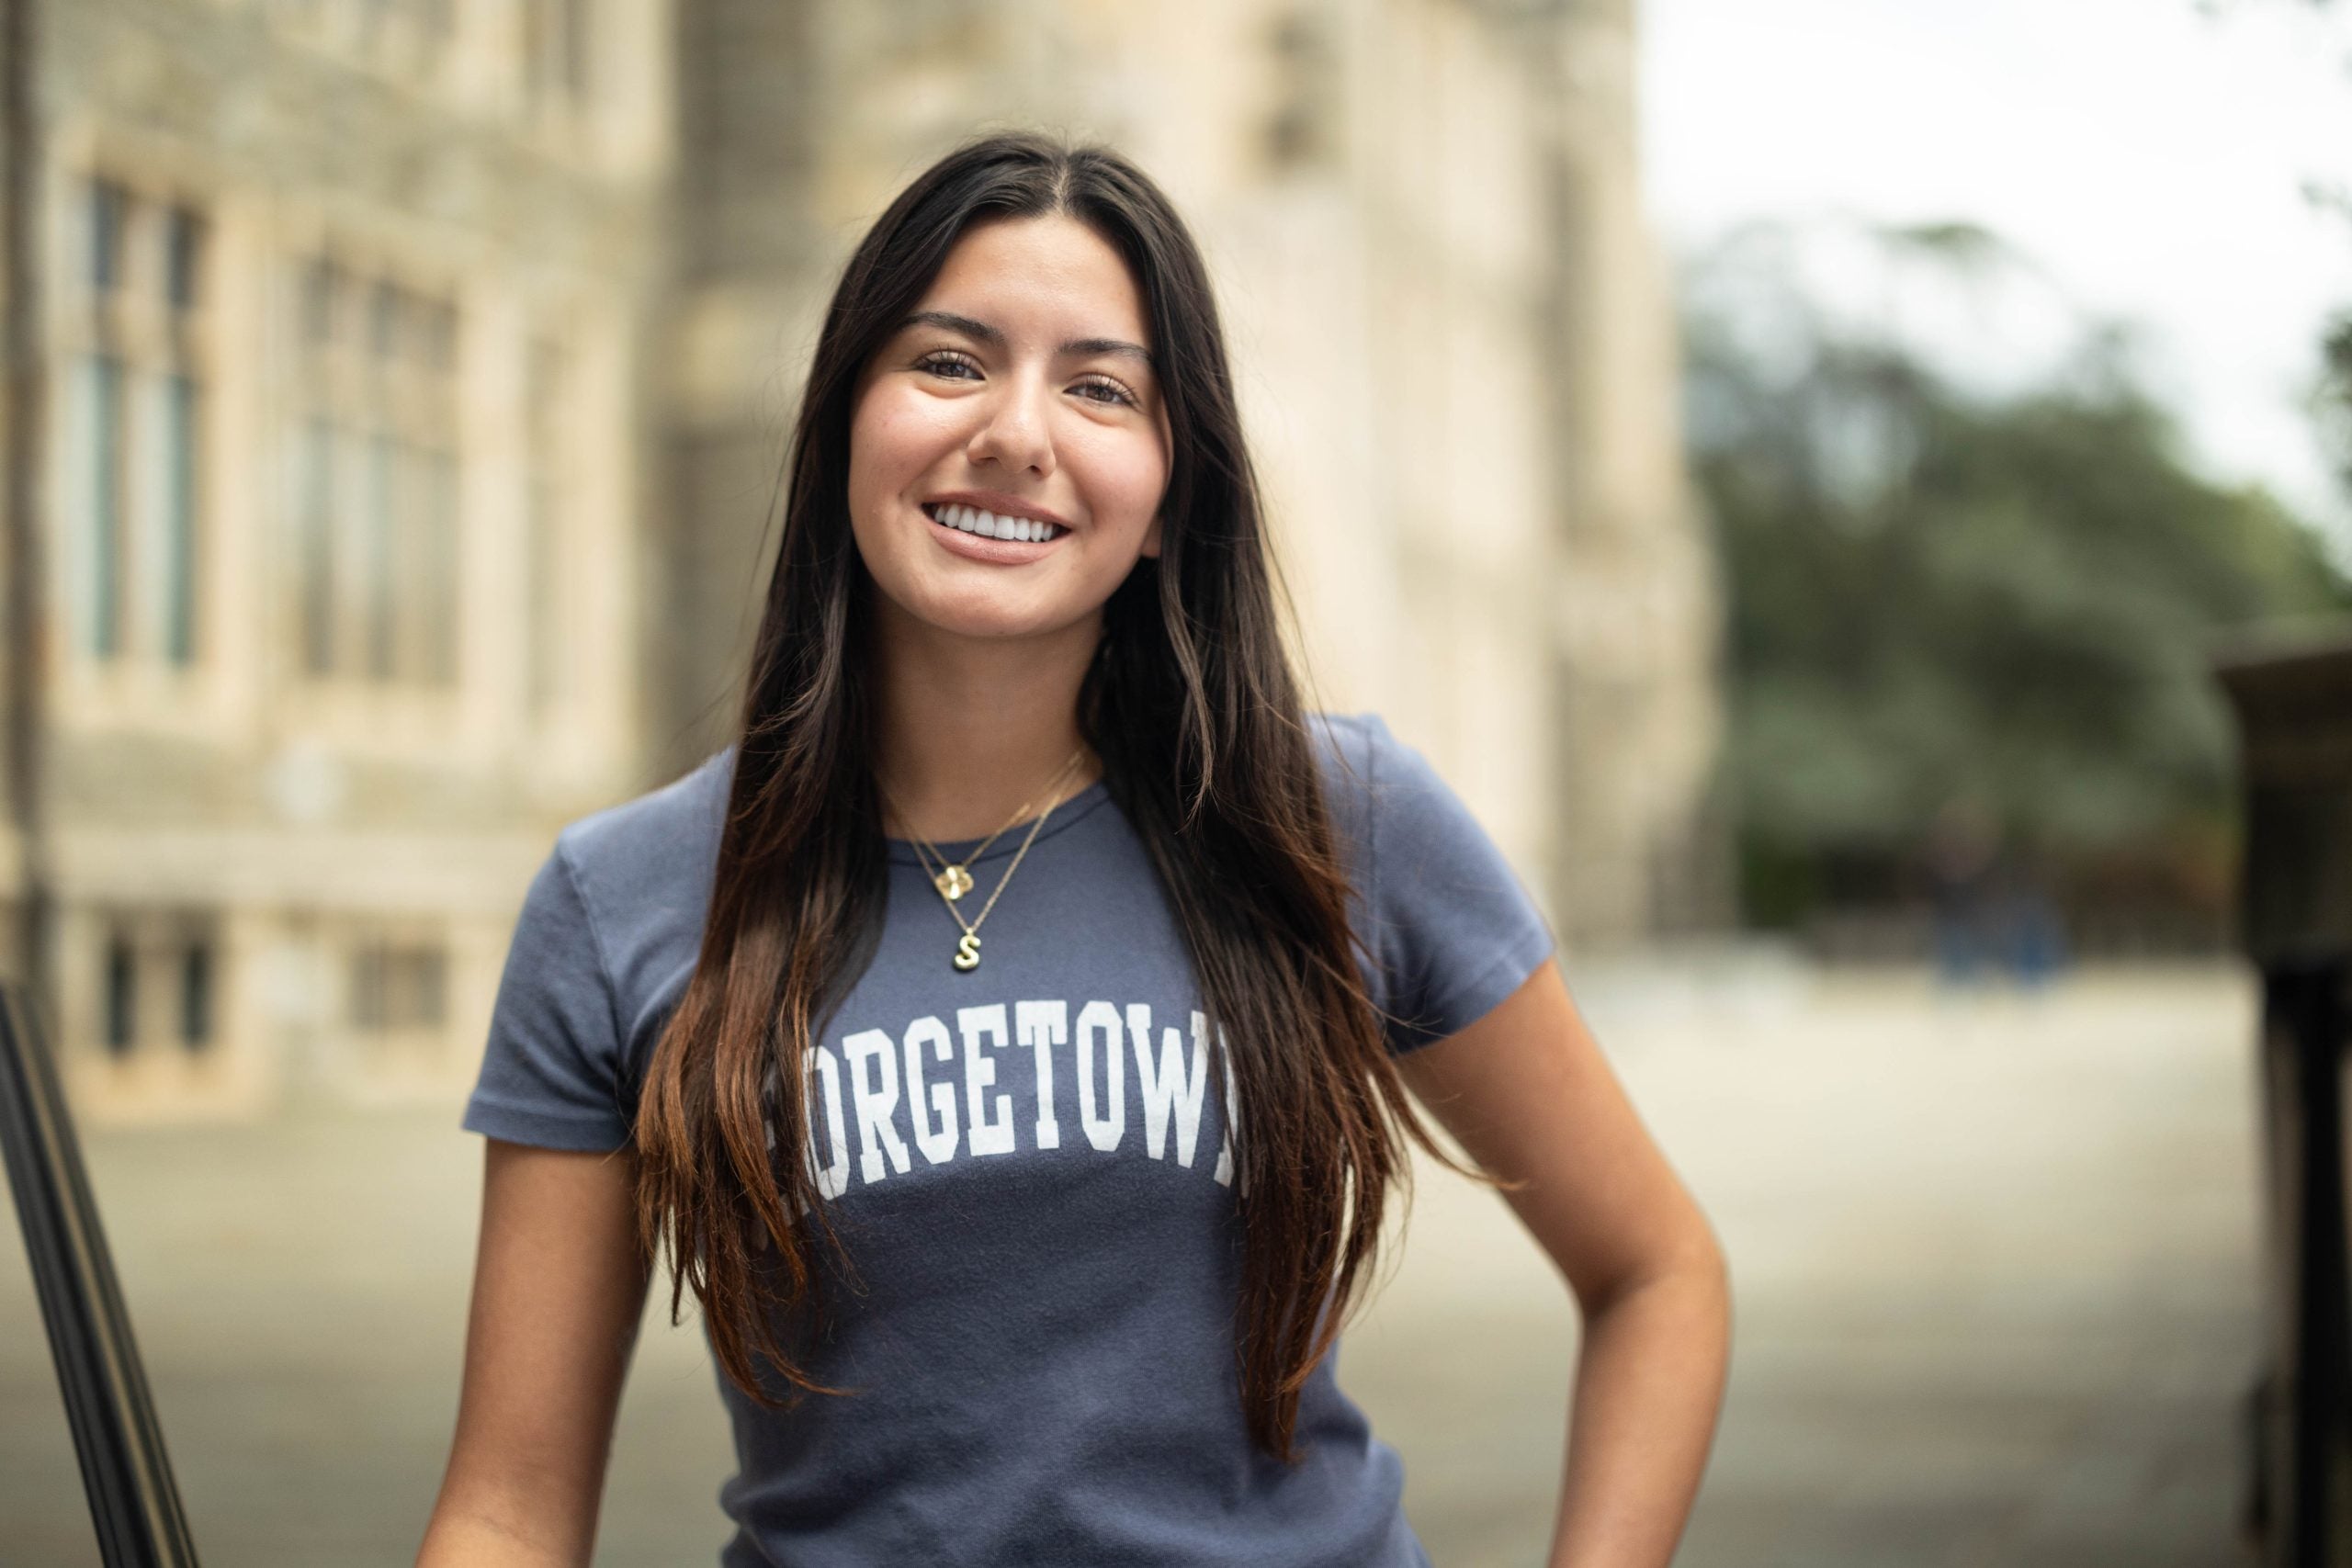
column 1020, row 385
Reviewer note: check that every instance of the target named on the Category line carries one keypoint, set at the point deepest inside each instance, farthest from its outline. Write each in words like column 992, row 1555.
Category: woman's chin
column 995, row 618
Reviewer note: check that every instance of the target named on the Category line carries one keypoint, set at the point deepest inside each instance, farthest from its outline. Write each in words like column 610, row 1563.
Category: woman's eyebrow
column 980, row 332
column 1083, row 346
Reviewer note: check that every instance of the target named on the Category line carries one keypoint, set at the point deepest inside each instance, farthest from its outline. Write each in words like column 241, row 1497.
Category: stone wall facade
column 298, row 264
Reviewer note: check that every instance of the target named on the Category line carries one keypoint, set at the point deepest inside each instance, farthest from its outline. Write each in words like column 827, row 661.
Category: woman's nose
column 1014, row 430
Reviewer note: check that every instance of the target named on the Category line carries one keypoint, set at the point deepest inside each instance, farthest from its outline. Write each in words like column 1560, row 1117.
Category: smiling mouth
column 990, row 525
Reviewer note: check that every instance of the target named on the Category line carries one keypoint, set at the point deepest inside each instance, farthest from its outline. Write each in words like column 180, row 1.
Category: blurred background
column 1792, row 469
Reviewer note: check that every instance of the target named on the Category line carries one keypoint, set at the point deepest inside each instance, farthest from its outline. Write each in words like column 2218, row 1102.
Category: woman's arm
column 1529, row 1096
column 559, row 1286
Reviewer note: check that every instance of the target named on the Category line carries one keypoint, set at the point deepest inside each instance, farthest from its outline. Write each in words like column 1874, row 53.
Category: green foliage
column 2333, row 403
column 2003, row 603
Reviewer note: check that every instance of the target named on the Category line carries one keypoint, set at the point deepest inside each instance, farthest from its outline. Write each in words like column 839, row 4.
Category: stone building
column 399, row 387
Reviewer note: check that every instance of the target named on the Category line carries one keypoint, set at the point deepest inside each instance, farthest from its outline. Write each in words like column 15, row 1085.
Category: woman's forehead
column 1020, row 277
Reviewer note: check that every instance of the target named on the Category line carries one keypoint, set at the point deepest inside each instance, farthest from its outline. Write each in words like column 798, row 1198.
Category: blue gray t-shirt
column 1032, row 1180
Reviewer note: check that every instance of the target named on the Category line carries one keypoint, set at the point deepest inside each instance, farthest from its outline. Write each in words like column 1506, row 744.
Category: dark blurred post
column 23, row 396
column 2294, row 711
column 126, row 1475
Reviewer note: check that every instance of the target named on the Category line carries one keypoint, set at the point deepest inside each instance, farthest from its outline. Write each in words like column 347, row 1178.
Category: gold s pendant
column 953, row 882
column 967, row 951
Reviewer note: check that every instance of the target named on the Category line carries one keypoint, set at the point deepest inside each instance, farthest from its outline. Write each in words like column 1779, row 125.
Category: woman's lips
column 996, row 552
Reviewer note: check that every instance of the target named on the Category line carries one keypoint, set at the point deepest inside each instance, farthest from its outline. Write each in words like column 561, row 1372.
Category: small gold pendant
column 953, row 882
column 967, row 951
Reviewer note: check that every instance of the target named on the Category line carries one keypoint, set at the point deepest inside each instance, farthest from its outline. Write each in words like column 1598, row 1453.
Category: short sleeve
column 551, row 1069
column 1453, row 928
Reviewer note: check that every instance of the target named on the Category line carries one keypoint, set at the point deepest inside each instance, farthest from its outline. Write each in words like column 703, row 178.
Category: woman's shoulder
column 1369, row 775
column 1349, row 748
column 607, row 936
column 656, row 837
column 638, row 874
column 1349, row 738
column 1452, row 927
column 1385, row 800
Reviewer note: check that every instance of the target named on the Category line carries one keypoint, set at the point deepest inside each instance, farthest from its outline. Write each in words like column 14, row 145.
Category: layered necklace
column 953, row 879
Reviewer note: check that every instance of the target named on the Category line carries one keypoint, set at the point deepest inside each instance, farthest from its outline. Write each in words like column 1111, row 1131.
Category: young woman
column 1013, row 1038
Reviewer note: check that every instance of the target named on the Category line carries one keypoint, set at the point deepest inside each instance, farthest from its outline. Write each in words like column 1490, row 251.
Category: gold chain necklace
column 954, row 879
column 949, row 874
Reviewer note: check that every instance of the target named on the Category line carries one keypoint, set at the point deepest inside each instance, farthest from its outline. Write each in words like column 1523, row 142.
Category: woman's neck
column 969, row 729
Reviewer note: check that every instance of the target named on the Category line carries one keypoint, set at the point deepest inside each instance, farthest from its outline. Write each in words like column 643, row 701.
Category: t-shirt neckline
column 902, row 850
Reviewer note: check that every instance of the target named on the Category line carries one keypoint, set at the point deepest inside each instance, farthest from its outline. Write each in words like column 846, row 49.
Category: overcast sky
column 2152, row 156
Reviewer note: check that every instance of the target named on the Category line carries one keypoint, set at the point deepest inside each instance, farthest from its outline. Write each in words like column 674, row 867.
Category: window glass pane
column 417, row 589
column 354, row 548
column 321, row 283
column 546, row 603
column 376, row 570
column 164, row 554
column 577, row 63
column 195, row 996
column 183, row 240
column 107, row 201
column 448, row 586
column 368, row 986
column 431, row 989
column 538, row 28
column 384, row 312
column 406, row 599
column 315, row 520
column 434, row 20
column 121, row 1022
column 99, row 464
column 180, row 568
column 379, row 535
column 398, row 986
column 147, row 554
column 543, row 524
column 437, row 327
column 182, row 520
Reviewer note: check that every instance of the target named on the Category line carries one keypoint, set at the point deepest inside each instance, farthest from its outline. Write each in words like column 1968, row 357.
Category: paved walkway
column 1995, row 1263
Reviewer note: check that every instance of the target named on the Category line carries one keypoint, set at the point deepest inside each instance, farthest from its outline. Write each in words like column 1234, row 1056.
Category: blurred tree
column 2332, row 396
column 1999, row 604
column 2333, row 403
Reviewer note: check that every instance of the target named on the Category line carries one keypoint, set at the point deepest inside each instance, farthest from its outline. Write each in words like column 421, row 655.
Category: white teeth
column 989, row 526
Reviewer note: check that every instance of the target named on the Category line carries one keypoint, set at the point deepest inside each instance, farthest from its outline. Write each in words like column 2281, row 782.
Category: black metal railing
column 125, row 1472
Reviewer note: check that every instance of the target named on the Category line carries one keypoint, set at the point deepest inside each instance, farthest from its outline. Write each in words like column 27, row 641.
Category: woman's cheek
column 879, row 443
column 1123, row 483
column 904, row 432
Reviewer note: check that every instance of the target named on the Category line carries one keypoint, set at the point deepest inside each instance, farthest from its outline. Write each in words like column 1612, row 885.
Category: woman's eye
column 1115, row 392
column 942, row 363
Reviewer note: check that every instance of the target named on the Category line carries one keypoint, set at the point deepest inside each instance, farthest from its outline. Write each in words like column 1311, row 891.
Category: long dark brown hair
column 1192, row 706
